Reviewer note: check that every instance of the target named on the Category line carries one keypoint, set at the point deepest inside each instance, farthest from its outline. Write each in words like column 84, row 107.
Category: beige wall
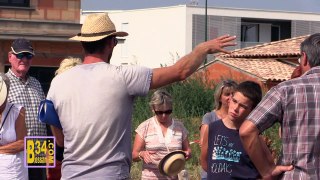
column 49, row 10
column 48, row 24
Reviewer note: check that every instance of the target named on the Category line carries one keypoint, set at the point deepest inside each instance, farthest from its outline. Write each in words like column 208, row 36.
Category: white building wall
column 156, row 36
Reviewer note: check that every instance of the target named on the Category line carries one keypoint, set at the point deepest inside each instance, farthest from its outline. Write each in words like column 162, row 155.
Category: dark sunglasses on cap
column 22, row 55
column 163, row 112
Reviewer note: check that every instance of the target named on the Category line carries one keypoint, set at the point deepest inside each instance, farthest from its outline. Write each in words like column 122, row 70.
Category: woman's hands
column 186, row 148
column 188, row 154
column 146, row 156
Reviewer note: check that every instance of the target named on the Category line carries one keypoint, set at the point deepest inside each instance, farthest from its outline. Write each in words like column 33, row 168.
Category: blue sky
column 285, row 5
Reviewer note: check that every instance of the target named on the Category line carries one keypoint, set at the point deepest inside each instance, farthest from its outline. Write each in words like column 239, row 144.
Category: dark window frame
column 245, row 27
column 11, row 3
column 278, row 36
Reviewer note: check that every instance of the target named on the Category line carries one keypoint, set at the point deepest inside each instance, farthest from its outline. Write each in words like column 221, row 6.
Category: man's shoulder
column 134, row 69
column 309, row 77
column 9, row 74
column 296, row 83
column 34, row 80
column 103, row 67
column 34, row 83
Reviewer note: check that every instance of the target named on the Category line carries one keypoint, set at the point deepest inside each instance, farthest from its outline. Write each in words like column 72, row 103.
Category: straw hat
column 172, row 163
column 97, row 26
column 4, row 84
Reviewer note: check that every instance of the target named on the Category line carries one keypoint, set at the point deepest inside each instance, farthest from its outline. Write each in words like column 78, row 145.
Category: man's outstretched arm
column 190, row 62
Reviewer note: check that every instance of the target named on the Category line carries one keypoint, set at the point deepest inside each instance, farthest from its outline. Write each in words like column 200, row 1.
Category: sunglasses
column 22, row 55
column 115, row 41
column 163, row 112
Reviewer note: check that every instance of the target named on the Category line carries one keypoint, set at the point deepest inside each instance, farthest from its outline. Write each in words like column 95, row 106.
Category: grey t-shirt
column 94, row 103
column 209, row 118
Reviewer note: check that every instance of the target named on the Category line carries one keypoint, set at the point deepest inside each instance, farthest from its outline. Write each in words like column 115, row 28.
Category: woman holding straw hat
column 158, row 136
column 12, row 133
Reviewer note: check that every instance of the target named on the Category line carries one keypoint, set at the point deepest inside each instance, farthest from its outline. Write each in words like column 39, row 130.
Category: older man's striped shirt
column 296, row 105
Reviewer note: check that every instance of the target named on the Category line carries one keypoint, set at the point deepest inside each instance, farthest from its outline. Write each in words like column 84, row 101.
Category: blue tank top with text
column 227, row 158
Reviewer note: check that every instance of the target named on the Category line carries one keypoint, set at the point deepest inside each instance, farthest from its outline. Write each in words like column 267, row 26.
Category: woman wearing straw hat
column 12, row 133
column 158, row 136
column 94, row 100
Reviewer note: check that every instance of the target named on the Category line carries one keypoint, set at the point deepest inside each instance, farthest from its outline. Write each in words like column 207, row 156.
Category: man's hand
column 274, row 173
column 189, row 63
column 296, row 72
column 218, row 44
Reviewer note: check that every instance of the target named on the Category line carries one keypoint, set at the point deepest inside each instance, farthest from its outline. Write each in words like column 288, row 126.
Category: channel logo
column 39, row 151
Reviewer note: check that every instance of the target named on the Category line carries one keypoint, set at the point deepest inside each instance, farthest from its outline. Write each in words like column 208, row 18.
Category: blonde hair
column 68, row 63
column 160, row 97
column 229, row 85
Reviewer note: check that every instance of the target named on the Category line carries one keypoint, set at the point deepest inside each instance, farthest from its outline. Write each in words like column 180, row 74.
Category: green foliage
column 273, row 134
column 141, row 110
column 192, row 98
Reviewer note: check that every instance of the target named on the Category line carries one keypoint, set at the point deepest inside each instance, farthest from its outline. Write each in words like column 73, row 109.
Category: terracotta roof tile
column 283, row 48
column 268, row 69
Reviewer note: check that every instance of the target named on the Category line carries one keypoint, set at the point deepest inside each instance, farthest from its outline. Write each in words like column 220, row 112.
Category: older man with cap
column 26, row 91
column 94, row 100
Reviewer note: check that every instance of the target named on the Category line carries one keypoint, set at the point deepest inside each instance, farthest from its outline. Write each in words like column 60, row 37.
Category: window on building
column 275, row 33
column 15, row 3
column 250, row 32
column 124, row 45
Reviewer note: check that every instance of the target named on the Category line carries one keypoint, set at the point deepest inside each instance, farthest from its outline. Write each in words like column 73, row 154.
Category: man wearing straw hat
column 94, row 100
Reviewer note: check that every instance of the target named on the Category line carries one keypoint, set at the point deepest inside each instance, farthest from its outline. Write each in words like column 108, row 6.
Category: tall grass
column 191, row 100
